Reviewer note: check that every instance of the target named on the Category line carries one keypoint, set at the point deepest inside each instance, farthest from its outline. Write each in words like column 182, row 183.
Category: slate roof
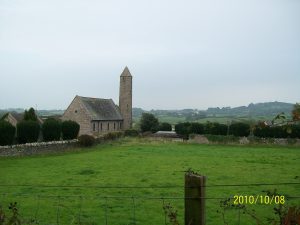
column 18, row 116
column 101, row 109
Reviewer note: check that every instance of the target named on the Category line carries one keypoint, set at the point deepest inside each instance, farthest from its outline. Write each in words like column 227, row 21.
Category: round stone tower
column 125, row 99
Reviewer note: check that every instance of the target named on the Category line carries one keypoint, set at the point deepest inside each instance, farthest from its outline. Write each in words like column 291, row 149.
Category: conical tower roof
column 126, row 72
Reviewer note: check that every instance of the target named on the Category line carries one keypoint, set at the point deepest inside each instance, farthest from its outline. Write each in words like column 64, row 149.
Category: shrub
column 30, row 115
column 112, row 135
column 165, row 127
column 28, row 131
column 271, row 132
column 239, row 129
column 183, row 129
column 51, row 130
column 295, row 131
column 70, row 130
column 197, row 128
column 131, row 133
column 149, row 123
column 7, row 133
column 215, row 128
column 86, row 140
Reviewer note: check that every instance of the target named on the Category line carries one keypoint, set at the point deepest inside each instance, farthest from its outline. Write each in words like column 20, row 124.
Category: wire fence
column 49, row 204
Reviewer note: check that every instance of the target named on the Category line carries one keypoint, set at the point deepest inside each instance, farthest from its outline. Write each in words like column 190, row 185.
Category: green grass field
column 142, row 163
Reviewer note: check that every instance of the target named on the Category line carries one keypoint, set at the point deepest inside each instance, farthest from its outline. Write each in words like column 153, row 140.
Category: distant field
column 142, row 163
column 224, row 120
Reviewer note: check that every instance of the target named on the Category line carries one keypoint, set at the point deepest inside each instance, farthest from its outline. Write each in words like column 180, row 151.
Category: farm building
column 97, row 116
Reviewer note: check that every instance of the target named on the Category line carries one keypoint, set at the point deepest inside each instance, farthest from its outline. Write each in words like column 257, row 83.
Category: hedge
column 131, row 133
column 239, row 129
column 215, row 128
column 197, row 128
column 86, row 140
column 165, row 127
column 51, row 130
column 28, row 131
column 276, row 132
column 7, row 133
column 70, row 130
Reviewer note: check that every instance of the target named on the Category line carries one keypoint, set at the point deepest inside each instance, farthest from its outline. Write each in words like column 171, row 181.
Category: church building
column 98, row 116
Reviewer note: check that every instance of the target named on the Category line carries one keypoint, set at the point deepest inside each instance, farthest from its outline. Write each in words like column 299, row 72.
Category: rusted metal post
column 194, row 199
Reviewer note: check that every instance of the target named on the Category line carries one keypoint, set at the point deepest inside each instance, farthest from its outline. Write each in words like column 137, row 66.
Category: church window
column 114, row 126
column 94, row 127
column 107, row 126
column 75, row 111
column 100, row 126
column 120, row 125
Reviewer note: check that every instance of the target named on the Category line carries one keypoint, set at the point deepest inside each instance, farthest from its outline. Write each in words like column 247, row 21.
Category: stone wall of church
column 102, row 127
column 76, row 112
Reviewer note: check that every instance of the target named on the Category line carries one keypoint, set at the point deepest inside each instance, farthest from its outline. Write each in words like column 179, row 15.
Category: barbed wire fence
column 108, row 209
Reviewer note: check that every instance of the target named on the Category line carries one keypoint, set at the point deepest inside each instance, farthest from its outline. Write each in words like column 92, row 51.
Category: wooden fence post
column 194, row 199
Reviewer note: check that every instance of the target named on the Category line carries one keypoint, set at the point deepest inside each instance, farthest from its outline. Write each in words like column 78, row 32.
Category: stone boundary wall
column 202, row 139
column 37, row 148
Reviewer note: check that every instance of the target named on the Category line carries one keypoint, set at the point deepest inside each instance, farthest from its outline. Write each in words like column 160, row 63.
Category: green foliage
column 86, row 140
column 7, row 133
column 30, row 115
column 183, row 129
column 215, row 128
column 271, row 132
column 131, row 133
column 51, row 130
column 197, row 128
column 112, row 135
column 149, row 123
column 28, row 131
column 70, row 130
column 295, row 131
column 165, row 127
column 239, row 129
column 296, row 112
column 3, row 116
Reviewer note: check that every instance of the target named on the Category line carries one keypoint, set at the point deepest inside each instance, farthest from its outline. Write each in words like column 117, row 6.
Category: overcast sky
column 182, row 54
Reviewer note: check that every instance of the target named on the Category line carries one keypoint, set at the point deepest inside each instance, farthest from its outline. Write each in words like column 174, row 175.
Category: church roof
column 101, row 109
column 126, row 72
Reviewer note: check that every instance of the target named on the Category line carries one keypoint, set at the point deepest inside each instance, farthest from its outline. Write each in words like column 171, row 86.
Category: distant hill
column 256, row 112
column 252, row 111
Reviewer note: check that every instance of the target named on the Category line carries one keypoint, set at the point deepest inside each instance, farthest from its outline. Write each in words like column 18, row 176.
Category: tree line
column 30, row 130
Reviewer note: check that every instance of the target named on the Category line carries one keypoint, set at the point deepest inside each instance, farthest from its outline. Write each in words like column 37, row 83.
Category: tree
column 30, row 115
column 7, row 133
column 197, row 128
column 28, row 131
column 149, row 123
column 51, row 130
column 296, row 112
column 239, row 129
column 165, row 127
column 70, row 130
column 183, row 129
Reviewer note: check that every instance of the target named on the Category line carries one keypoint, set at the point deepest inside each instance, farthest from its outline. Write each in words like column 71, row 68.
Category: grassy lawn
column 143, row 163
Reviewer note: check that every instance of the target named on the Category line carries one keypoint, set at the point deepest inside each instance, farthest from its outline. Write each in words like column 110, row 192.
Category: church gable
column 78, row 113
